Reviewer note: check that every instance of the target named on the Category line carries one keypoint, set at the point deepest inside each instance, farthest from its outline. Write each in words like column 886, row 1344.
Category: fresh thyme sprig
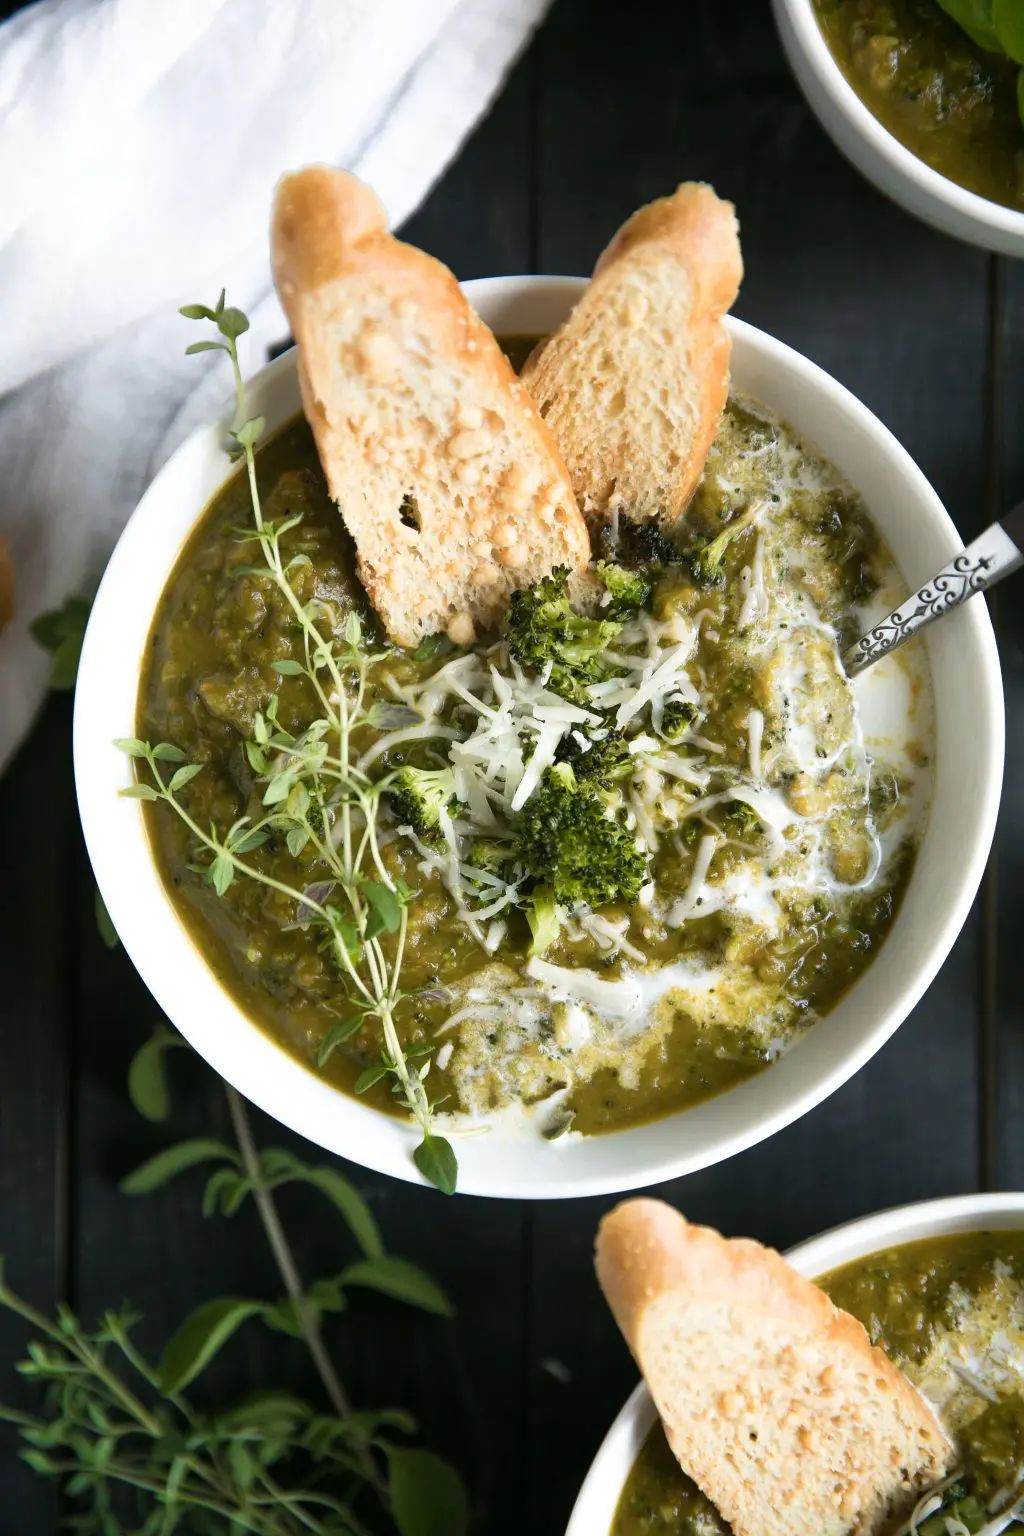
column 315, row 797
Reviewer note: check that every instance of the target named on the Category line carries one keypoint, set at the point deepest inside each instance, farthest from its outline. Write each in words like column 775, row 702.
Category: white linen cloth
column 139, row 147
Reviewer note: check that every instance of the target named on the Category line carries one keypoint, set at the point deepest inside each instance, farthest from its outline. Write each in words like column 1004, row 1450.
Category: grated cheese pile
column 797, row 786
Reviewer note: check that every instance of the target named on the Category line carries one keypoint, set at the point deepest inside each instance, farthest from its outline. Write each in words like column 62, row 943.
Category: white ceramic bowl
column 877, row 153
column 595, row 1507
column 949, row 867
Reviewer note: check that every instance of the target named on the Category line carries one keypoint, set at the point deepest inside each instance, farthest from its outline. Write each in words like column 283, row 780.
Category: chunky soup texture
column 951, row 103
column 950, row 1313
column 778, row 827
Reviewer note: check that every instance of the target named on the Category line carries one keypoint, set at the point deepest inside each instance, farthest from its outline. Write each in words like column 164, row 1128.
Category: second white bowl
column 878, row 154
column 598, row 1498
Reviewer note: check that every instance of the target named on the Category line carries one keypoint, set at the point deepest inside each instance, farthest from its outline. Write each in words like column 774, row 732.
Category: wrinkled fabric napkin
column 139, row 147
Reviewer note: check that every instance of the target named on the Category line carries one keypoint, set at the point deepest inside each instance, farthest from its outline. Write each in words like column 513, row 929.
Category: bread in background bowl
column 598, row 1500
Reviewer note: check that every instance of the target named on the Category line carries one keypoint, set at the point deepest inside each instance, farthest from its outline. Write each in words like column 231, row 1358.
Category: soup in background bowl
column 919, row 109
column 501, row 1159
column 934, row 1284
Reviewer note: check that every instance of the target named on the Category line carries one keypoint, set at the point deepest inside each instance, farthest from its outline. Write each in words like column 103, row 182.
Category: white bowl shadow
column 877, row 153
column 949, row 866
column 604, row 1483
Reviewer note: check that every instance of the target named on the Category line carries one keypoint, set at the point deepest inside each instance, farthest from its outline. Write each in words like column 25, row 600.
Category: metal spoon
column 994, row 554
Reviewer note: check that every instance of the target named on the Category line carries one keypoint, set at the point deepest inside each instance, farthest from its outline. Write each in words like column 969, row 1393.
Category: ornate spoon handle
column 994, row 554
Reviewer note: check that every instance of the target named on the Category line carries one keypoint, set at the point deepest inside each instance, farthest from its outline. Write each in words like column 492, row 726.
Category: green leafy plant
column 138, row 1457
column 314, row 798
column 997, row 26
column 61, row 633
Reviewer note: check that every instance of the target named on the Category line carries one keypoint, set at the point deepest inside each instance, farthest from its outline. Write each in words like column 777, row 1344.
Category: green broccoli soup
column 951, row 96
column 641, row 840
column 950, row 1313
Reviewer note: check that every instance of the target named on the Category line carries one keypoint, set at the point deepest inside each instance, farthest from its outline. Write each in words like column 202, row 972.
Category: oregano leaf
column 428, row 1497
column 147, row 1077
column 231, row 322
column 221, row 873
column 337, row 1035
column 104, row 926
column 347, row 1199
column 368, row 1077
column 385, row 903
column 401, row 1279
column 975, row 18
column 173, row 1160
column 250, row 432
column 184, row 776
column 138, row 792
column 1008, row 22
column 437, row 1162
column 200, row 1337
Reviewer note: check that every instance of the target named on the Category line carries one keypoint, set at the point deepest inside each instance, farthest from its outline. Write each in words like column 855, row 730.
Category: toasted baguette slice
column 773, row 1400
column 449, row 482
column 634, row 383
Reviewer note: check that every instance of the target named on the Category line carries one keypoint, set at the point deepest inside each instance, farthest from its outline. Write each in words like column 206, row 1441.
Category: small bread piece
column 634, row 383
column 773, row 1400
column 449, row 482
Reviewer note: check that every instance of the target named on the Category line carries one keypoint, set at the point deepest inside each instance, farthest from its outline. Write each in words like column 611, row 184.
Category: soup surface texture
column 950, row 1313
column 775, row 808
column 951, row 103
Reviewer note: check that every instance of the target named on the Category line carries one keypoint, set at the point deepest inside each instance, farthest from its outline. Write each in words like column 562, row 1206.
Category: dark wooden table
column 611, row 106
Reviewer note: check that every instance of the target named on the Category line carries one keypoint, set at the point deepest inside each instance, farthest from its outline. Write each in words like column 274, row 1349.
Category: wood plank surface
column 602, row 113
column 850, row 280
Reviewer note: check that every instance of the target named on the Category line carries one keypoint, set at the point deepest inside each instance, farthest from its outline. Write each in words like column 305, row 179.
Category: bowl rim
column 841, row 1244
column 290, row 1092
column 805, row 44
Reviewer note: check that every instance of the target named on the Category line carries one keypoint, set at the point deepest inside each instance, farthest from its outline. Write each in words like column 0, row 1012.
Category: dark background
column 610, row 106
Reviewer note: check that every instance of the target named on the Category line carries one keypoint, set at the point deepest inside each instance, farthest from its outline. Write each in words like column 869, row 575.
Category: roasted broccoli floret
column 601, row 762
column 705, row 561
column 633, row 544
column 490, row 855
column 629, row 591
column 741, row 820
column 543, row 917
column 676, row 718
column 568, row 841
column 543, row 627
column 418, row 796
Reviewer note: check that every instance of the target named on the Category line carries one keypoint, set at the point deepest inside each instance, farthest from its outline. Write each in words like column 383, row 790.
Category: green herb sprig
column 315, row 797
column 137, row 1457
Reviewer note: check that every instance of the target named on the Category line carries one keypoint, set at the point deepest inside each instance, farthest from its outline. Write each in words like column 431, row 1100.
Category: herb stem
column 289, row 1271
column 283, row 1256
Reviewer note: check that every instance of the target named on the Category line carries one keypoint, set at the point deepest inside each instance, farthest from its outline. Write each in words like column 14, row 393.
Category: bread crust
column 635, row 382
column 411, row 400
column 790, row 1447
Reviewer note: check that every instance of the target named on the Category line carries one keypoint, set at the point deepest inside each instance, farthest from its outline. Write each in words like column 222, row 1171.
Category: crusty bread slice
column 773, row 1400
column 450, row 484
column 634, row 383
